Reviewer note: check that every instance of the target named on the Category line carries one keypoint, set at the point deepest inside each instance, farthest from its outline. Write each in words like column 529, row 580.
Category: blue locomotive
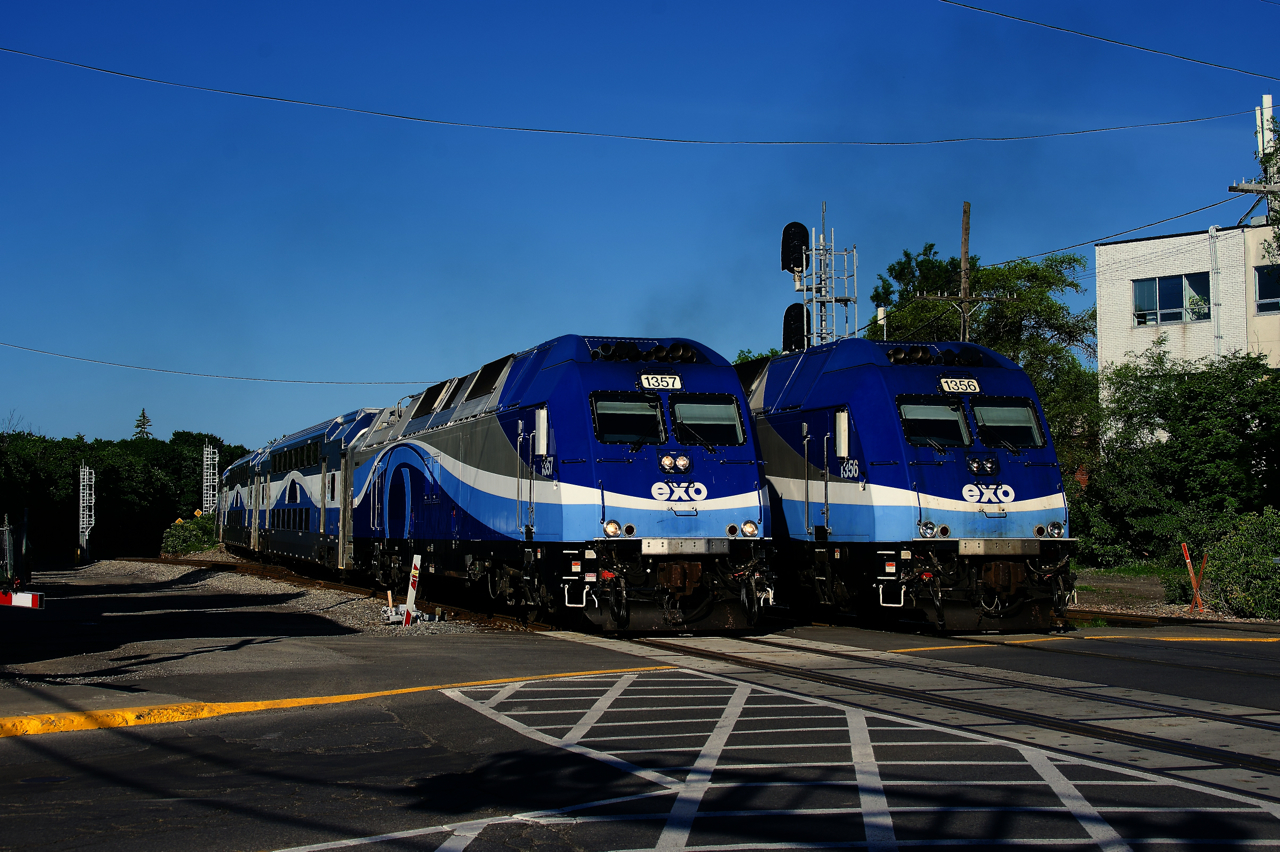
column 614, row 477
column 913, row 478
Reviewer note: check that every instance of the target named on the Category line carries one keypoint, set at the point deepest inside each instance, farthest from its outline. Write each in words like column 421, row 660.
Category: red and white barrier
column 31, row 600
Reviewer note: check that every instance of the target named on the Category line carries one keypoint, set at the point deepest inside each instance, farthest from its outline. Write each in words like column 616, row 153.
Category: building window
column 1171, row 298
column 1268, row 284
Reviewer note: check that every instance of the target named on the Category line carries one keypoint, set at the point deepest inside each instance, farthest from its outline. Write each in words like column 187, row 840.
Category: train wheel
column 619, row 607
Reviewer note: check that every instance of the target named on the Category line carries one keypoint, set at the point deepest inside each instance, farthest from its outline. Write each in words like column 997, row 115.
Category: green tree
column 1188, row 447
column 142, row 426
column 745, row 355
column 142, row 485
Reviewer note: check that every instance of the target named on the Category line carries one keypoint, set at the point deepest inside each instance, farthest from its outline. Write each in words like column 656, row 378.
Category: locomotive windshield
column 934, row 421
column 707, row 419
column 627, row 418
column 1008, row 422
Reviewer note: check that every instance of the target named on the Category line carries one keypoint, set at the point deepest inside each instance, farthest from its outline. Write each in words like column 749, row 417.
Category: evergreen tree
column 142, row 428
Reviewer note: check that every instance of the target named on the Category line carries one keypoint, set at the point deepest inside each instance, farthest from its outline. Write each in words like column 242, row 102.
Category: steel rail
column 1066, row 692
column 1076, row 652
column 1207, row 754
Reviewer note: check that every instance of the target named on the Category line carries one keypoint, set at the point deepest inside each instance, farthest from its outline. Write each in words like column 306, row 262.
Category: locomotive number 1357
column 960, row 386
column 660, row 382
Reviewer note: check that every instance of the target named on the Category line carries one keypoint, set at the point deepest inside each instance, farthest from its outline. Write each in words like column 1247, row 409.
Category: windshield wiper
column 699, row 440
column 986, row 432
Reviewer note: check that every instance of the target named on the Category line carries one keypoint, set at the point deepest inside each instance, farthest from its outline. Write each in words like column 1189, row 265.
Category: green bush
column 1245, row 578
column 1177, row 589
column 190, row 536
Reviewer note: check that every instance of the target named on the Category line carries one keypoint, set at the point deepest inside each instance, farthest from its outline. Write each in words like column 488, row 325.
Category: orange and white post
column 1196, row 603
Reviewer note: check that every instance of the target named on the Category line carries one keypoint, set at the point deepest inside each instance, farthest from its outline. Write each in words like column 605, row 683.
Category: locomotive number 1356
column 660, row 382
column 960, row 386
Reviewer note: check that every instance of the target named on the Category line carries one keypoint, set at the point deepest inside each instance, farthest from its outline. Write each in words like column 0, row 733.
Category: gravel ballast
column 362, row 613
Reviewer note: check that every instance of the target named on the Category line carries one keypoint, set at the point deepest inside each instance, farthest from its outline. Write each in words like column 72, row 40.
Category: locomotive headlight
column 612, row 529
column 682, row 463
column 975, row 465
column 988, row 465
column 1056, row 529
column 668, row 463
column 928, row 530
column 749, row 529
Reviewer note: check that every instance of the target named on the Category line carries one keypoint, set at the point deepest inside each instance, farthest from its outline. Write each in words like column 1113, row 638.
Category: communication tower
column 87, row 500
column 822, row 273
column 210, row 479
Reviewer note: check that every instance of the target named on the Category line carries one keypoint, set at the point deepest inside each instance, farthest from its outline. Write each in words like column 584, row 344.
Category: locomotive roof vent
column 627, row 350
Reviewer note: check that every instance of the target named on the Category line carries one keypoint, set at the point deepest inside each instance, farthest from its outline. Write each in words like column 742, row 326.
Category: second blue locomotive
column 915, row 479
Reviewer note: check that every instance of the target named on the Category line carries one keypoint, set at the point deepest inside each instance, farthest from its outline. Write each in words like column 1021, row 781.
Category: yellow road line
column 1028, row 641
column 88, row 720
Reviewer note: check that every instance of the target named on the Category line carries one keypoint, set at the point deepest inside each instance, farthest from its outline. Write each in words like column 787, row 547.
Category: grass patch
column 1141, row 568
column 1081, row 587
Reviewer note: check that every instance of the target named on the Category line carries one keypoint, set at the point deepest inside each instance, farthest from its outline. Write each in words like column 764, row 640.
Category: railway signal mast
column 823, row 274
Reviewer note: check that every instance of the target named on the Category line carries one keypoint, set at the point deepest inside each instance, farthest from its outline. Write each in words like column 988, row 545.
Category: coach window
column 1171, row 298
column 1267, row 281
column 627, row 418
column 706, row 419
column 934, row 421
column 1011, row 423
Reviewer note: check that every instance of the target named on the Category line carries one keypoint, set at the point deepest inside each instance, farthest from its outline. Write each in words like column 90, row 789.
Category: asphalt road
column 285, row 732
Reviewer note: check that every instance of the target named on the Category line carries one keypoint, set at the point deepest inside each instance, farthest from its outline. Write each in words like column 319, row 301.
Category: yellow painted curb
column 88, row 720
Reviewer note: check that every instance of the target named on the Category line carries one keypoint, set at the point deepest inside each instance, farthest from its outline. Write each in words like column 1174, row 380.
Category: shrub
column 1177, row 588
column 190, row 536
column 1246, row 580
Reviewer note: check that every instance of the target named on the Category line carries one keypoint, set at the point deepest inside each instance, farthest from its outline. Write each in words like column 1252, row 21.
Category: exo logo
column 676, row 491
column 988, row 493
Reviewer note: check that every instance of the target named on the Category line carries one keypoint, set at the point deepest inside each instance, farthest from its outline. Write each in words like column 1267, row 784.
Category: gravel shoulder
column 362, row 613
column 1105, row 591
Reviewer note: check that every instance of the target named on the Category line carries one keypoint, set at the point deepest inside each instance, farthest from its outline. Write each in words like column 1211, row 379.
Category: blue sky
column 185, row 230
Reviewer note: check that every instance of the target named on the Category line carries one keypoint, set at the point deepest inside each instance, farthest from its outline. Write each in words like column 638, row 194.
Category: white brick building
column 1172, row 285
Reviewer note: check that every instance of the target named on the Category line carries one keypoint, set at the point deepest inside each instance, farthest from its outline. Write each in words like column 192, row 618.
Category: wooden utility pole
column 964, row 275
column 964, row 301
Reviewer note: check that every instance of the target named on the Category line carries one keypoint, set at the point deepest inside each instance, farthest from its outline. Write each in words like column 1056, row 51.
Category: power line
column 1109, row 40
column 1118, row 234
column 893, row 307
column 622, row 136
column 199, row 375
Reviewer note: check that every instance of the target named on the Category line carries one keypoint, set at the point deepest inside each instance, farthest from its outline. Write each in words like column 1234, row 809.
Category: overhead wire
column 620, row 136
column 891, row 308
column 200, row 375
column 1117, row 42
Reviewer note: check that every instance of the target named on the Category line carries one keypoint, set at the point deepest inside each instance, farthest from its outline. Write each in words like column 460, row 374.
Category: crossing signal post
column 822, row 274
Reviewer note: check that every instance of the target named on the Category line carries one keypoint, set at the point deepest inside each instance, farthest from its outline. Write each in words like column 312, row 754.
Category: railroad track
column 282, row 574
column 1014, row 683
column 1208, row 754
